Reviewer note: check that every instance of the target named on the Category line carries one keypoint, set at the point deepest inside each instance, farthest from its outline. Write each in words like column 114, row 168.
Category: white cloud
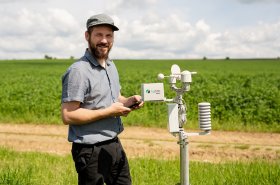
column 51, row 31
column 202, row 26
column 19, row 1
column 49, row 22
column 155, row 33
column 121, row 5
column 261, row 40
column 151, row 32
column 258, row 1
column 173, row 37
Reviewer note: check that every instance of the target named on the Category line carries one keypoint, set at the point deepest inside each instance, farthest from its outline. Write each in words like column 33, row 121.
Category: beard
column 97, row 50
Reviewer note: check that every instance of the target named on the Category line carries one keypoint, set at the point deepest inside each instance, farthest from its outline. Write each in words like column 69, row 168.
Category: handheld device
column 135, row 104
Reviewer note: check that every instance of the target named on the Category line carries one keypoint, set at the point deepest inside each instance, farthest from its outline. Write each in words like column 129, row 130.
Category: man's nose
column 104, row 40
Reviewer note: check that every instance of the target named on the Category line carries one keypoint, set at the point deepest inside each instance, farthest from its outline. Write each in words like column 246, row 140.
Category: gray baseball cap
column 101, row 19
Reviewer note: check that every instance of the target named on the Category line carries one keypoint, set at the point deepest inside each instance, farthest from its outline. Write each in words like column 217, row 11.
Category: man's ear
column 87, row 35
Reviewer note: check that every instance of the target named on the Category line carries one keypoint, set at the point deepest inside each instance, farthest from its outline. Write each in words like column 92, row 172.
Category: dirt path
column 149, row 142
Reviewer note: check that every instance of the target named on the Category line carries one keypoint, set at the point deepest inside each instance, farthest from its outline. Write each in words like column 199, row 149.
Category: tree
column 48, row 57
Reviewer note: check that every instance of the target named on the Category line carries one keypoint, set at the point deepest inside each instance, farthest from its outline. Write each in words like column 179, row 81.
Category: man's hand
column 135, row 102
column 118, row 109
column 132, row 102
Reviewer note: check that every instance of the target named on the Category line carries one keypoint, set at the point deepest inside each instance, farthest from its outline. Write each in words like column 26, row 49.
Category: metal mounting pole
column 183, row 139
column 184, row 158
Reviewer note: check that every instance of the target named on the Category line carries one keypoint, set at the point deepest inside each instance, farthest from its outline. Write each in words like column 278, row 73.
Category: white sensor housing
column 173, row 121
column 204, row 116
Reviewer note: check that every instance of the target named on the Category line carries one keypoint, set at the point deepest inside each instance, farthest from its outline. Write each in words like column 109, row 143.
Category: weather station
column 177, row 116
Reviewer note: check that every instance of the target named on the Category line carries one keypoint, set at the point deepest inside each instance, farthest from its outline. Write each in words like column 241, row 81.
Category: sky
column 149, row 29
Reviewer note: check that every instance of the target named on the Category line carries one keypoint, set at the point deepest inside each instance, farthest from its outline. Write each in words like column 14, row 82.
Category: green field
column 29, row 168
column 244, row 94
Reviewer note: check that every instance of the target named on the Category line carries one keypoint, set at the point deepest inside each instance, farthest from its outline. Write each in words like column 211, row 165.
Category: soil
column 219, row 146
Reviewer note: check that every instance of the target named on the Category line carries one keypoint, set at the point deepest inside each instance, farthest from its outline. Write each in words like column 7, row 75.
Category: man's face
column 100, row 41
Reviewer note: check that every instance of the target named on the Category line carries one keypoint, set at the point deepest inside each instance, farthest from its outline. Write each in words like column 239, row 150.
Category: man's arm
column 72, row 113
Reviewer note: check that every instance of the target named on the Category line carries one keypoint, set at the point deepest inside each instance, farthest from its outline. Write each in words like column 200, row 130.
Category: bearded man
column 92, row 106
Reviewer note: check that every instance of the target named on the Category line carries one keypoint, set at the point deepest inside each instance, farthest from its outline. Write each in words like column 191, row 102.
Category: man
column 92, row 106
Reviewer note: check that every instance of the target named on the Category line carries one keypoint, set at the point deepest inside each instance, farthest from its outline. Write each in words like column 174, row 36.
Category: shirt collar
column 93, row 60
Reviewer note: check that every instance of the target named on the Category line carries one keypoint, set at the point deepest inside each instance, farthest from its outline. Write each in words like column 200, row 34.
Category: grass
column 31, row 168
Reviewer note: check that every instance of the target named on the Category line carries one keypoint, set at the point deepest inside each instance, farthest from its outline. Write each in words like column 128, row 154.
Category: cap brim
column 115, row 28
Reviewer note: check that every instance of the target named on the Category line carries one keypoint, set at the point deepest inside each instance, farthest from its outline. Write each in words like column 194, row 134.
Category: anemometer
column 177, row 116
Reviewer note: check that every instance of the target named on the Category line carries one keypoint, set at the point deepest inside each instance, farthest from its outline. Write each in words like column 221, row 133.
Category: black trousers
column 101, row 163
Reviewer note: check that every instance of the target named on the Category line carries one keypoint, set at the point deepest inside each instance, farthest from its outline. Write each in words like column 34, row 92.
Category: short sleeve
column 73, row 85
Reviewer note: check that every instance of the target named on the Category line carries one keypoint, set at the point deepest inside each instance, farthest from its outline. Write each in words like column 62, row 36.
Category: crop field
column 244, row 94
